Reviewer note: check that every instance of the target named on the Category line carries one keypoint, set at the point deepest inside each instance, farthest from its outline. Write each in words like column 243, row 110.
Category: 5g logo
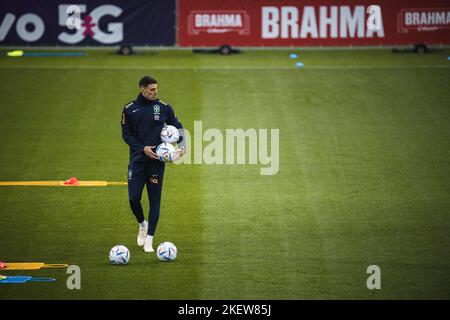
column 374, row 21
column 70, row 17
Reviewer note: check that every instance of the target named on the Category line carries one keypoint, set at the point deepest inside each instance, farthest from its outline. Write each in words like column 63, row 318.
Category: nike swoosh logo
column 136, row 110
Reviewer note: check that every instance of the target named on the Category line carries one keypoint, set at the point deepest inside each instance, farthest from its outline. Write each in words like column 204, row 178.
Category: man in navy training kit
column 142, row 121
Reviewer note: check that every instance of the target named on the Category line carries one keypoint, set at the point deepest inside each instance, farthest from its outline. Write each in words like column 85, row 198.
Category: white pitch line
column 312, row 67
column 436, row 66
column 150, row 67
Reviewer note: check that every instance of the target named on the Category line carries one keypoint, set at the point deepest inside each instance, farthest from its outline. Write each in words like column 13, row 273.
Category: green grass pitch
column 364, row 176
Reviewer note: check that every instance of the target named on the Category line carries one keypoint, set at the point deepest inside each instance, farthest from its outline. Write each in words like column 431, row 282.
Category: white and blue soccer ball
column 170, row 134
column 165, row 151
column 166, row 251
column 119, row 255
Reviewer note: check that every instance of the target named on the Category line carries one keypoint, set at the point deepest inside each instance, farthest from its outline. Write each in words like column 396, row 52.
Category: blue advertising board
column 87, row 23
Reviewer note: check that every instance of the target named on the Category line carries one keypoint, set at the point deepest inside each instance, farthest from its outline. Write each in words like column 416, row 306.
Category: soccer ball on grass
column 166, row 251
column 119, row 255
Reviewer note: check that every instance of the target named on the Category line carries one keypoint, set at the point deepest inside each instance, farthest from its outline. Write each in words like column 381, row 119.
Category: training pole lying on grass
column 32, row 265
column 62, row 184
column 24, row 279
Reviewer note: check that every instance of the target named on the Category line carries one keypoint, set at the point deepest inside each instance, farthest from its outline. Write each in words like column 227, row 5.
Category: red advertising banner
column 270, row 23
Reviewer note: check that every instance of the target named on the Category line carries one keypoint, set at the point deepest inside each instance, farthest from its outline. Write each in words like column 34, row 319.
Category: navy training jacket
column 142, row 122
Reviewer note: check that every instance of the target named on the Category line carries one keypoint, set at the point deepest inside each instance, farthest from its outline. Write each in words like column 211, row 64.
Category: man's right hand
column 150, row 153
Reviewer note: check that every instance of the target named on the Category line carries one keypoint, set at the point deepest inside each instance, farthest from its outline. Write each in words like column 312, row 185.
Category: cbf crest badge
column 156, row 112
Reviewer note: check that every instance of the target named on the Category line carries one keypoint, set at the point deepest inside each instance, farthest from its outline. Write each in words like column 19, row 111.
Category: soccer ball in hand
column 119, row 254
column 165, row 151
column 166, row 251
column 170, row 134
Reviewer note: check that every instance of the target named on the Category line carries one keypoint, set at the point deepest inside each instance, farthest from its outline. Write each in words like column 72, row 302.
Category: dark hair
column 145, row 81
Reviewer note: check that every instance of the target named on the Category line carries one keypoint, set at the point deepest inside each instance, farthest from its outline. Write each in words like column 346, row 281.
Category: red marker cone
column 72, row 181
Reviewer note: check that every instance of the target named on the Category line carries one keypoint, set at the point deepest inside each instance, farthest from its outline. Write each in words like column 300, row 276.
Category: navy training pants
column 150, row 173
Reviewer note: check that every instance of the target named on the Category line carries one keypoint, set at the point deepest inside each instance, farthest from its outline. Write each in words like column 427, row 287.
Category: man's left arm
column 173, row 121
